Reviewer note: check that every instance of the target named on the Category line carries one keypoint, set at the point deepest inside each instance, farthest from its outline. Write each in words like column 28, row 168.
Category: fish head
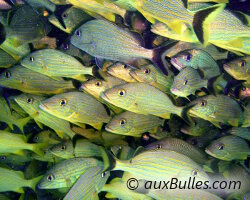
column 118, row 69
column 94, row 86
column 29, row 103
column 33, row 61
column 119, row 124
column 11, row 76
column 51, row 180
column 46, row 136
column 58, row 105
column 122, row 96
column 144, row 74
column 186, row 58
column 63, row 150
column 217, row 149
column 239, row 68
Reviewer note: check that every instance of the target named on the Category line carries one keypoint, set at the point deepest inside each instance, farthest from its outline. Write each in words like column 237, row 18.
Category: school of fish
column 96, row 93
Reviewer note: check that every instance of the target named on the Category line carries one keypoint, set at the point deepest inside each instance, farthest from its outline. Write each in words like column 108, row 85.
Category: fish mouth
column 174, row 90
column 183, row 130
column 43, row 107
column 226, row 67
column 104, row 96
column 83, row 87
column 110, row 71
column 133, row 74
column 108, row 129
column 208, row 152
column 176, row 63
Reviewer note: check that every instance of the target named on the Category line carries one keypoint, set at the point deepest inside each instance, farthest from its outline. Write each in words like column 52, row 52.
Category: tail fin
column 20, row 123
column 34, row 182
column 2, row 33
column 213, row 82
column 203, row 18
column 109, row 161
column 184, row 115
column 158, row 57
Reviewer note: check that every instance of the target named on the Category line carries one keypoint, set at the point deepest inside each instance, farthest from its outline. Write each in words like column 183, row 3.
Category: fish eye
column 185, row 82
column 203, row 103
column 35, row 139
column 3, row 157
column 147, row 71
column 31, row 59
column 220, row 146
column 158, row 146
column 66, row 46
column 50, row 177
column 65, row 15
column 121, row 92
column 78, row 33
column 98, row 83
column 122, row 122
column 7, row 74
column 195, row 172
column 29, row 100
column 243, row 63
column 103, row 174
column 63, row 102
column 188, row 57
column 63, row 148
column 125, row 66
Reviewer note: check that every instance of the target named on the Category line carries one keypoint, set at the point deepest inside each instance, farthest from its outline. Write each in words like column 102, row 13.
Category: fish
column 67, row 172
column 239, row 68
column 157, row 165
column 15, row 143
column 71, row 17
column 117, row 188
column 46, row 136
column 187, row 82
column 88, row 185
column 6, row 59
column 105, row 40
column 240, row 132
column 26, row 25
column 197, row 59
column 132, row 124
column 229, row 148
column 48, row 61
column 38, row 4
column 29, row 81
column 76, row 107
column 82, row 148
column 200, row 127
column 218, row 110
column 14, row 159
column 121, row 71
column 104, row 8
column 181, row 147
column 210, row 49
column 30, row 103
column 176, row 16
column 12, row 180
column 153, row 76
column 134, row 97
column 7, row 117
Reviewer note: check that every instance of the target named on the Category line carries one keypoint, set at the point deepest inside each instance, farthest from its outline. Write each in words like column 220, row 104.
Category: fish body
column 153, row 76
column 48, row 61
column 76, row 107
column 105, row 40
column 134, row 97
column 82, row 148
column 229, row 148
column 67, row 172
column 132, row 124
column 239, row 68
column 240, row 132
column 15, row 143
column 29, row 81
column 14, row 181
column 161, row 164
column 30, row 103
column 197, row 59
column 217, row 109
column 89, row 184
column 6, row 59
column 179, row 146
column 7, row 116
column 121, row 71
column 187, row 82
